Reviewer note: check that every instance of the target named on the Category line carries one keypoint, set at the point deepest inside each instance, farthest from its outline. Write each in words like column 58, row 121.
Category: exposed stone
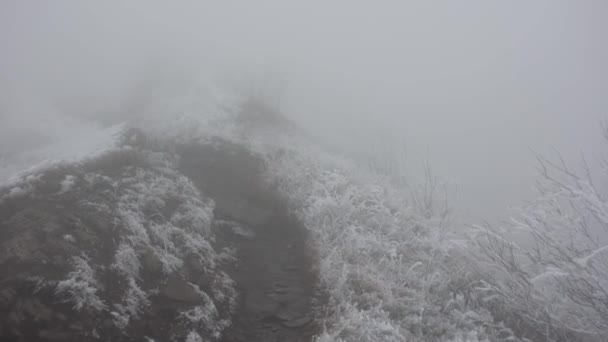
column 242, row 211
column 180, row 290
column 151, row 262
column 87, row 236
column 297, row 323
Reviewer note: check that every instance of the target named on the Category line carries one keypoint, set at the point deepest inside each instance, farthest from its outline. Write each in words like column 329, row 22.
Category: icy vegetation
column 81, row 287
column 384, row 256
column 303, row 171
column 165, row 219
column 139, row 238
column 556, row 282
column 395, row 267
column 391, row 264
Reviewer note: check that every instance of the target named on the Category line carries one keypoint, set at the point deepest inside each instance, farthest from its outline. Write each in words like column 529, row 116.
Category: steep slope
column 225, row 224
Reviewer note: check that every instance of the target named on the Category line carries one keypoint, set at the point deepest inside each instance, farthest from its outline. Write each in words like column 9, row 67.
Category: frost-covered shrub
column 134, row 301
column 141, row 222
column 81, row 286
column 157, row 225
column 205, row 318
column 223, row 290
column 126, row 261
column 67, row 183
column 193, row 336
column 162, row 214
column 363, row 325
column 385, row 258
column 549, row 265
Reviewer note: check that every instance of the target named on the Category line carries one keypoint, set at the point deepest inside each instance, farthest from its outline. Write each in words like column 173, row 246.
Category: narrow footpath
column 273, row 271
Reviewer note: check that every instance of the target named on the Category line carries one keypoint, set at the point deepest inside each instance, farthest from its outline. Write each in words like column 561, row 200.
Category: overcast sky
column 472, row 86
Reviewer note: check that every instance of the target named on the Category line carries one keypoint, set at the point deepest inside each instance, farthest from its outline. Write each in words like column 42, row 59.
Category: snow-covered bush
column 206, row 318
column 126, row 261
column 384, row 254
column 141, row 223
column 163, row 215
column 363, row 325
column 550, row 263
column 193, row 336
column 81, row 286
column 134, row 301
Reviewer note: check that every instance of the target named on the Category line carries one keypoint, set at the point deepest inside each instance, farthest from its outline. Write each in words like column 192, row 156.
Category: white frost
column 80, row 288
column 67, row 183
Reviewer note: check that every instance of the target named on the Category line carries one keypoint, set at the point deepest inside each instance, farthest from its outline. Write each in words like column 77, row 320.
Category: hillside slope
column 227, row 224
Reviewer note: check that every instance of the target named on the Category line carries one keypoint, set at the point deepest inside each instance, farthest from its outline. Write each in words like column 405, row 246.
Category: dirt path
column 273, row 270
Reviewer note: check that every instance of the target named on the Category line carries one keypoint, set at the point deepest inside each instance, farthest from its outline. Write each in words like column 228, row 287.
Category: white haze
column 473, row 87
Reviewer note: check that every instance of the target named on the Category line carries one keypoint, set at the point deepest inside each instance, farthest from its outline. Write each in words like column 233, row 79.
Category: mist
column 471, row 88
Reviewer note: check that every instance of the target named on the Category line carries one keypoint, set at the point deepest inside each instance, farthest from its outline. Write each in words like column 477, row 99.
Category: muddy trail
column 274, row 267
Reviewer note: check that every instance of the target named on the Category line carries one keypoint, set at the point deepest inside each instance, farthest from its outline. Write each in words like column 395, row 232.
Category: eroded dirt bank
column 273, row 270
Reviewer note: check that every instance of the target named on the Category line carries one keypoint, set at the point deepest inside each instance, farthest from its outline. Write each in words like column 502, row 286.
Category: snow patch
column 383, row 255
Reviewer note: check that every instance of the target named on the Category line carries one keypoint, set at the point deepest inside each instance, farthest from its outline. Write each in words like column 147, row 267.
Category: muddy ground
column 274, row 269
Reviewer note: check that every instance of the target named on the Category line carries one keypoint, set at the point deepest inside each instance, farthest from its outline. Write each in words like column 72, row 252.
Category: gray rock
column 179, row 290
column 297, row 323
column 151, row 262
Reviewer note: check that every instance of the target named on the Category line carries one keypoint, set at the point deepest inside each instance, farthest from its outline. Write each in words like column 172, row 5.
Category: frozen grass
column 384, row 256
column 164, row 214
column 385, row 259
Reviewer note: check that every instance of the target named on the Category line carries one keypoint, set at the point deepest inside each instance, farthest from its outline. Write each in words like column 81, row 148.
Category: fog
column 471, row 87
